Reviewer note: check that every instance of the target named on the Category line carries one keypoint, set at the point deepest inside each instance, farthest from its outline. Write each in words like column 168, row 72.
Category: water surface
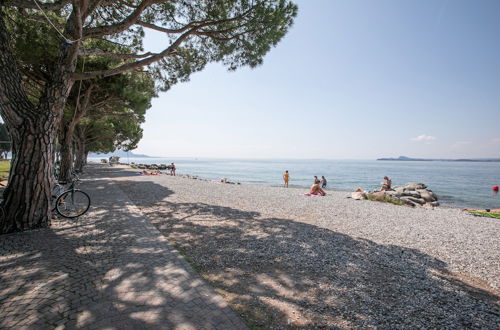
column 462, row 184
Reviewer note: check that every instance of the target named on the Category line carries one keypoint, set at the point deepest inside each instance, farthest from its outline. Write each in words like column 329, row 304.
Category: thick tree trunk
column 27, row 196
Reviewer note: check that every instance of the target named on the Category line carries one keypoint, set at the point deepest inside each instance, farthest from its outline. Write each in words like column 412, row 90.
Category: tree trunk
column 28, row 194
column 67, row 135
column 66, row 165
column 80, row 156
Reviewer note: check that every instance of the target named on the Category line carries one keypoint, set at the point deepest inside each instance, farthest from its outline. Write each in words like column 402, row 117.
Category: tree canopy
column 66, row 33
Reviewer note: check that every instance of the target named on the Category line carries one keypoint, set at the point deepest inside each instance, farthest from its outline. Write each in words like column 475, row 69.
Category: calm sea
column 462, row 184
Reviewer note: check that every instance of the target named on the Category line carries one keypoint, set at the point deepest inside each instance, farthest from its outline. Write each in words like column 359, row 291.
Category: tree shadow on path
column 288, row 274
column 110, row 270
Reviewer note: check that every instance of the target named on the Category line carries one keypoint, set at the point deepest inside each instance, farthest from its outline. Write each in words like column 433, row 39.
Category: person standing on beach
column 323, row 182
column 172, row 169
column 286, row 177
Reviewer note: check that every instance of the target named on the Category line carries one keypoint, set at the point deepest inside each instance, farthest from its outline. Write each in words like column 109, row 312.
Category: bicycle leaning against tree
column 70, row 202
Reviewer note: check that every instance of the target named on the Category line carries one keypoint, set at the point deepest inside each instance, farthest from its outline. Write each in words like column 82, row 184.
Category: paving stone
column 109, row 269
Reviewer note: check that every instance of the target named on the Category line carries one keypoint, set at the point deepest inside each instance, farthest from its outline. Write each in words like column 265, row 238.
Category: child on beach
column 286, row 177
column 323, row 182
column 172, row 169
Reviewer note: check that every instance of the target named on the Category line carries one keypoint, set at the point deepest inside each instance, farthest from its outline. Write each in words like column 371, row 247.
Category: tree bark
column 28, row 193
column 80, row 155
column 66, row 165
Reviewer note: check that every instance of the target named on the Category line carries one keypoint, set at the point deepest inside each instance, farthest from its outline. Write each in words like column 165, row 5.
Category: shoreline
column 452, row 191
column 291, row 186
column 284, row 201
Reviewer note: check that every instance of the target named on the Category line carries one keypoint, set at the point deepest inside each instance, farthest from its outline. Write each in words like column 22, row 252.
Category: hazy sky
column 352, row 79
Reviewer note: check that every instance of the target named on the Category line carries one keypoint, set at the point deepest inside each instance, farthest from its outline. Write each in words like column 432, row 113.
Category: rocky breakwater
column 412, row 194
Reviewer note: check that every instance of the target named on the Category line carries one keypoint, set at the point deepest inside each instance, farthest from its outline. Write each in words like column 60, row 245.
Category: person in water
column 286, row 177
column 316, row 190
column 387, row 184
column 323, row 182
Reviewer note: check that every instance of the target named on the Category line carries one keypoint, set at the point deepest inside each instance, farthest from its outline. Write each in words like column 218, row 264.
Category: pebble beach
column 284, row 260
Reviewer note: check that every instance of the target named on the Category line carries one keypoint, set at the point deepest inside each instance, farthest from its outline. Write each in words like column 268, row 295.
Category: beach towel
column 312, row 195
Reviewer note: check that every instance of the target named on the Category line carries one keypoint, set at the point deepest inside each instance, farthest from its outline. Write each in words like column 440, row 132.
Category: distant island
column 119, row 153
column 404, row 158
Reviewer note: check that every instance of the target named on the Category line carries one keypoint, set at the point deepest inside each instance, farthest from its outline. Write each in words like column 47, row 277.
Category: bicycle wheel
column 72, row 203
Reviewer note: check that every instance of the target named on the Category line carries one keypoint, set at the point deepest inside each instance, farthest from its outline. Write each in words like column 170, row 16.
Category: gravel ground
column 283, row 260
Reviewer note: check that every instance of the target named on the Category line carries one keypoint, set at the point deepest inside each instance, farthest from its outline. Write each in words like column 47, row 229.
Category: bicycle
column 70, row 203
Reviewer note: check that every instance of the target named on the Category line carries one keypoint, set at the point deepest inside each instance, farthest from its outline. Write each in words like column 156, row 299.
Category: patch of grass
column 486, row 214
column 387, row 199
column 255, row 317
column 190, row 261
column 4, row 169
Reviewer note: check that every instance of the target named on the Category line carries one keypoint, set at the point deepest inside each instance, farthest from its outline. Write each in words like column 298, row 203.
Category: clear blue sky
column 353, row 79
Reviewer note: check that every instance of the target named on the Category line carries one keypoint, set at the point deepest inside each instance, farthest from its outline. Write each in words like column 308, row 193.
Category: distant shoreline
column 406, row 159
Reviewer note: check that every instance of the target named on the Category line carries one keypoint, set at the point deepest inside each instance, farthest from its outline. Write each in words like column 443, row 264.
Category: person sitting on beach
column 156, row 172
column 387, row 185
column 323, row 182
column 286, row 177
column 316, row 190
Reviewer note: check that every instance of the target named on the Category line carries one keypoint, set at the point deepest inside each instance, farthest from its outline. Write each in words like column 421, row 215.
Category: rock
column 427, row 196
column 435, row 203
column 399, row 190
column 411, row 193
column 407, row 201
column 414, row 186
column 392, row 193
column 428, row 206
column 420, row 201
column 378, row 196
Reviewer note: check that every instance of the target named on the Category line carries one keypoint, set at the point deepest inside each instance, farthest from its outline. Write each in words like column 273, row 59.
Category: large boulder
column 411, row 193
column 407, row 201
column 392, row 193
column 420, row 201
column 428, row 196
column 399, row 190
column 414, row 186
column 378, row 196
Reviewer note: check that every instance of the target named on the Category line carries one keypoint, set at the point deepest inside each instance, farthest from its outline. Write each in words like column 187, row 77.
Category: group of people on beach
column 171, row 167
column 316, row 190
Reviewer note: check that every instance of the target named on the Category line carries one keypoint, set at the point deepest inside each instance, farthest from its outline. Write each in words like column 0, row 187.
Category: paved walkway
column 111, row 269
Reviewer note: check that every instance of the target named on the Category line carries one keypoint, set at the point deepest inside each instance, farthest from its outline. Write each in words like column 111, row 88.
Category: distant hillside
column 404, row 158
column 119, row 153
